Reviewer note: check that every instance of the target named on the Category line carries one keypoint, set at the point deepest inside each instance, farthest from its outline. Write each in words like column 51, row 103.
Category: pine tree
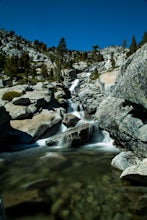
column 144, row 39
column 94, row 49
column 44, row 71
column 96, row 55
column 25, row 65
column 133, row 45
column 51, row 75
column 10, row 67
column 61, row 48
column 2, row 60
column 112, row 60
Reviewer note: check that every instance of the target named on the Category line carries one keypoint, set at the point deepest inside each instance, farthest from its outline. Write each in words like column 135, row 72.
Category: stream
column 59, row 183
column 55, row 183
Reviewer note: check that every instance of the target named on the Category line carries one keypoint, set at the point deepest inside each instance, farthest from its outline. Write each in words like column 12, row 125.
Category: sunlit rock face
column 132, row 81
column 124, row 112
column 41, row 125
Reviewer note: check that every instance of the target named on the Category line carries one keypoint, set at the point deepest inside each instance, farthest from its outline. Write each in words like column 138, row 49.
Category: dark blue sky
column 83, row 23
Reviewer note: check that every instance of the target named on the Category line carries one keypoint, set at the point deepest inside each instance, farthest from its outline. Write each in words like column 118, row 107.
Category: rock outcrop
column 132, row 81
column 124, row 112
column 10, row 136
column 70, row 120
column 42, row 125
column 124, row 115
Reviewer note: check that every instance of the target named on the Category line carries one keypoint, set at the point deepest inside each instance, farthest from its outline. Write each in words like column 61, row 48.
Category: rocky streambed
column 68, row 184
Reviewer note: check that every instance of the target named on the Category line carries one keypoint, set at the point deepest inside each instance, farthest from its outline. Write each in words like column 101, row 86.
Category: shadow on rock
column 27, row 208
column 16, row 140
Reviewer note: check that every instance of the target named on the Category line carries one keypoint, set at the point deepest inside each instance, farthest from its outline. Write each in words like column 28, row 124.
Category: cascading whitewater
column 65, row 137
column 75, row 83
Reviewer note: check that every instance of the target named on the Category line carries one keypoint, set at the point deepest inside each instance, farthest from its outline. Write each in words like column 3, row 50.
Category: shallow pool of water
column 54, row 184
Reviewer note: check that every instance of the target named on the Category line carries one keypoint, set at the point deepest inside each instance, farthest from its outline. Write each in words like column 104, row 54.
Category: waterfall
column 75, row 108
column 41, row 142
column 75, row 83
column 100, row 139
column 62, row 128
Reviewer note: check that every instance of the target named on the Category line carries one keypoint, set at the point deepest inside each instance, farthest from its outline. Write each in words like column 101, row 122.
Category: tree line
column 22, row 68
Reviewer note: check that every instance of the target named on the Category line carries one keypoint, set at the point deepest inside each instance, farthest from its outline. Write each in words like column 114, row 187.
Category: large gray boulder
column 25, row 106
column 10, row 137
column 124, row 160
column 136, row 173
column 42, row 125
column 40, row 98
column 124, row 112
column 18, row 112
column 70, row 120
column 72, row 138
column 132, row 80
column 70, row 74
column 114, row 116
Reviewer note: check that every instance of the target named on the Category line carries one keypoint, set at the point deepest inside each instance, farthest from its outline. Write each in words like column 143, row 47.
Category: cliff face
column 132, row 80
column 124, row 112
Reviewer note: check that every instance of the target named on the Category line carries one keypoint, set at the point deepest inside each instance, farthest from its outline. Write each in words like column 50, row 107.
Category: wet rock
column 72, row 138
column 70, row 120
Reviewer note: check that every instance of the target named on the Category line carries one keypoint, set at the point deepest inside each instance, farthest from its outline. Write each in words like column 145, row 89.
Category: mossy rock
column 10, row 95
